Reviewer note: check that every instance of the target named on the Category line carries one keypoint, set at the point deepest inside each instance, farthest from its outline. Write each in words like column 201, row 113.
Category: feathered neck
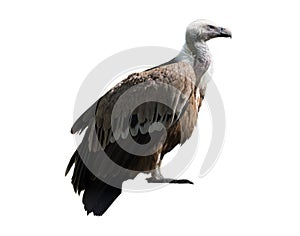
column 198, row 56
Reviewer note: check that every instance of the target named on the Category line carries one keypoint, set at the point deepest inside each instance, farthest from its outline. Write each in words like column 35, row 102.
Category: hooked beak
column 226, row 33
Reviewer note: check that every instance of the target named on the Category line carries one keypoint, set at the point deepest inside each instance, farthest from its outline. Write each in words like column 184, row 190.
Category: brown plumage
column 170, row 94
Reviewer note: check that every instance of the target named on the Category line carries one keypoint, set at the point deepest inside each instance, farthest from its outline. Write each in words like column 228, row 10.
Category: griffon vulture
column 118, row 129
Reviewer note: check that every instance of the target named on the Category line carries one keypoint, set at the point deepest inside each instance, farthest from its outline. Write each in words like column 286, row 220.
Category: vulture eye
column 211, row 27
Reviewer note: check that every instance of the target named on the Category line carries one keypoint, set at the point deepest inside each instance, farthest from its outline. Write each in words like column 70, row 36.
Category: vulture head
column 203, row 30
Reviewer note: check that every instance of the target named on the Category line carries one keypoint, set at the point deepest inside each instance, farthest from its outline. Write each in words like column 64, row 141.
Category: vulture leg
column 157, row 177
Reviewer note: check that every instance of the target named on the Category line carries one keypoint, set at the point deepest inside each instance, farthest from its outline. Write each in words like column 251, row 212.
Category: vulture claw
column 181, row 181
column 168, row 180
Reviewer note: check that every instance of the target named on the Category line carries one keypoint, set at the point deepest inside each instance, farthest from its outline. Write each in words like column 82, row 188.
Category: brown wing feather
column 157, row 83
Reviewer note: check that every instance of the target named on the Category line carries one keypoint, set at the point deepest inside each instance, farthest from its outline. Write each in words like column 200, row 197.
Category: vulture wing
column 158, row 95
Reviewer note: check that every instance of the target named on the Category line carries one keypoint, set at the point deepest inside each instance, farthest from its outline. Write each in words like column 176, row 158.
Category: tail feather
column 71, row 162
column 80, row 176
column 98, row 197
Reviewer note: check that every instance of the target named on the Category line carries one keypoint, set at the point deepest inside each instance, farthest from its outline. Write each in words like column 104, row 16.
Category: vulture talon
column 181, row 181
column 168, row 180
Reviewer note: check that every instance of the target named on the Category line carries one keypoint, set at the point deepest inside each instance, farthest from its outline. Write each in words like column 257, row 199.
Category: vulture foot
column 168, row 180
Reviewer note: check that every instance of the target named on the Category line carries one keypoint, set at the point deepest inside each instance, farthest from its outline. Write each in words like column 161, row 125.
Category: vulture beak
column 226, row 33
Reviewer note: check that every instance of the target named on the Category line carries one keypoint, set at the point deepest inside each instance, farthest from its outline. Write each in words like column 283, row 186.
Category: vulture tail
column 98, row 196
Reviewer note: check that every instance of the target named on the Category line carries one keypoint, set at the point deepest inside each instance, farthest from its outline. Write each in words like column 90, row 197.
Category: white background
column 46, row 51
